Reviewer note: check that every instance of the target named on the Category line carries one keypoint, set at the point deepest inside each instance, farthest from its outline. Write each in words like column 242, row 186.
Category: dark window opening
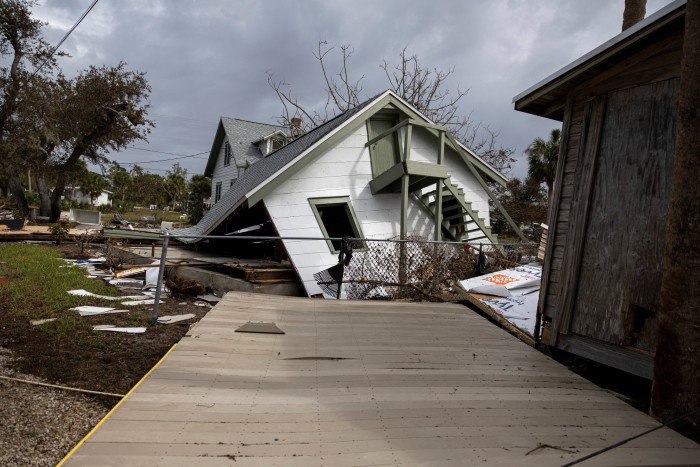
column 227, row 154
column 217, row 195
column 336, row 222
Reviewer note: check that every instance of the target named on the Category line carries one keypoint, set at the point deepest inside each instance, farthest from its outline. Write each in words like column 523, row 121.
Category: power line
column 180, row 156
column 53, row 51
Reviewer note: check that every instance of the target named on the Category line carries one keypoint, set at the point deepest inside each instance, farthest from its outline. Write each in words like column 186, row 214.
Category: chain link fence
column 417, row 269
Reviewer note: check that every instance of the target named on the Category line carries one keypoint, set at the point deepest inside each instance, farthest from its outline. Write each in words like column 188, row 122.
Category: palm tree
column 634, row 12
column 542, row 159
column 93, row 184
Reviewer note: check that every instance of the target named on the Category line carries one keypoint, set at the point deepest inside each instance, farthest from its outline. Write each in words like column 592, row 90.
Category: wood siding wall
column 223, row 174
column 623, row 229
column 345, row 170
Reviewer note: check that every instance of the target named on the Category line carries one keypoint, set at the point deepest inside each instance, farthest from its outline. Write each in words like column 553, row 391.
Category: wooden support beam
column 387, row 132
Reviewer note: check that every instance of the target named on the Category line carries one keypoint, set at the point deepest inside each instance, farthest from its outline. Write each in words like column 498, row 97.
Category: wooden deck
column 367, row 383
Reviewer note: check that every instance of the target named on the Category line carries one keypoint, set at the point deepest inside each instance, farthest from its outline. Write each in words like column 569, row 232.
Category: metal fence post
column 161, row 271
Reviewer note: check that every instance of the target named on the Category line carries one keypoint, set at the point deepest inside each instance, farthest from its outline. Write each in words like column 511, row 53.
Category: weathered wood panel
column 592, row 130
column 561, row 207
column 367, row 383
column 622, row 253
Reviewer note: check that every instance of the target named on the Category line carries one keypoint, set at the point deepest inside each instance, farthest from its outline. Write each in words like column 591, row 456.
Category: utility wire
column 53, row 51
column 181, row 156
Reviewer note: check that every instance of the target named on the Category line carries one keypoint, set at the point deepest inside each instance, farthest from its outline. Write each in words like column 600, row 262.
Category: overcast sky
column 208, row 58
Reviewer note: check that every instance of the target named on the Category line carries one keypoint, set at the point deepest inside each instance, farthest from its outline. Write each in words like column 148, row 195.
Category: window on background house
column 217, row 193
column 384, row 153
column 227, row 154
column 336, row 218
column 231, row 184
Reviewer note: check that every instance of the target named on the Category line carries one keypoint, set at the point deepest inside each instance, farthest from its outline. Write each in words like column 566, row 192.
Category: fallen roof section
column 367, row 383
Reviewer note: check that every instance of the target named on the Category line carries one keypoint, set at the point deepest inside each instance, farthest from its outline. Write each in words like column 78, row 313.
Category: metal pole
column 161, row 271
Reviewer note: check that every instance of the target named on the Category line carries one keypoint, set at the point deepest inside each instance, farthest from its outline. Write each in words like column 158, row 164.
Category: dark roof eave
column 547, row 98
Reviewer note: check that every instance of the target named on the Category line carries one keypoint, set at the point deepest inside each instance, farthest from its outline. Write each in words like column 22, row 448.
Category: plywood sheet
column 366, row 383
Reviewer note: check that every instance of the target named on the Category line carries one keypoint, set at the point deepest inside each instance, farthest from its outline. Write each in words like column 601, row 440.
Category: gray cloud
column 209, row 58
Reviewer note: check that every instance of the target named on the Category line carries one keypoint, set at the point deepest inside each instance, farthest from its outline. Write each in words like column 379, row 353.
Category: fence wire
column 425, row 271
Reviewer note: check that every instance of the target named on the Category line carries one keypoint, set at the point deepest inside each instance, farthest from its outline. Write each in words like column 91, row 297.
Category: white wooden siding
column 223, row 174
column 346, row 171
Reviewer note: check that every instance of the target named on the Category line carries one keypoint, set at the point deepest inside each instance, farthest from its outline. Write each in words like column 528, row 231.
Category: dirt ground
column 34, row 426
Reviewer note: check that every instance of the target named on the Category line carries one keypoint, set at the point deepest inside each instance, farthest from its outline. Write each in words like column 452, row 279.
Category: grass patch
column 67, row 350
column 37, row 282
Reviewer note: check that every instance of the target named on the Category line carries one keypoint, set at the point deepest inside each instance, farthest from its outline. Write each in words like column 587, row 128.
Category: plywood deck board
column 365, row 383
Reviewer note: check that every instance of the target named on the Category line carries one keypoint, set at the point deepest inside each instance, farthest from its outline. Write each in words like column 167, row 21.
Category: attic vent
column 260, row 327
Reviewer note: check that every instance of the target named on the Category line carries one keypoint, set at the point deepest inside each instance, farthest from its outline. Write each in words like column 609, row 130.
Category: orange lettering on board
column 500, row 279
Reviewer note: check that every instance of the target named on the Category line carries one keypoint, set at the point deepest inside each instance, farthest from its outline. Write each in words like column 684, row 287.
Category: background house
column 602, row 271
column 379, row 170
column 76, row 194
column 237, row 145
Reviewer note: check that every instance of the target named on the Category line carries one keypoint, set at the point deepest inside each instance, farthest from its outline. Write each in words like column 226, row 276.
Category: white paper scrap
column 150, row 301
column 36, row 322
column 92, row 309
column 109, row 327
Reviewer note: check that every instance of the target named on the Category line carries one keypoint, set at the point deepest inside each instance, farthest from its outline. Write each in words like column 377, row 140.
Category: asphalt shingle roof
column 241, row 134
column 261, row 171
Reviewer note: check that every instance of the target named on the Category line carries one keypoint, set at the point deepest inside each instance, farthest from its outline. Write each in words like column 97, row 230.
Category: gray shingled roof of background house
column 261, row 171
column 241, row 134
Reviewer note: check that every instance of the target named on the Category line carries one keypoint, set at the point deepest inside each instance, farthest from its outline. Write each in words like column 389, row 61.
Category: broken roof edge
column 619, row 42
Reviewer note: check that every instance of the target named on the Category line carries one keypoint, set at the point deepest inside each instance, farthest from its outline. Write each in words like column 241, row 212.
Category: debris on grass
column 112, row 328
column 37, row 322
column 129, row 272
column 85, row 293
column 150, row 301
column 87, row 310
column 182, row 288
column 209, row 298
column 175, row 318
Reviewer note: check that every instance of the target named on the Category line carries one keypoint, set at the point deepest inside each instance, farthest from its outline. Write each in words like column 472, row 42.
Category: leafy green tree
column 102, row 109
column 147, row 188
column 542, row 159
column 200, row 190
column 49, row 122
column 525, row 202
column 23, row 49
column 176, row 184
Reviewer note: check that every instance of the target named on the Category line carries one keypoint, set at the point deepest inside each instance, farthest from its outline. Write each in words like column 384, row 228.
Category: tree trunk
column 676, row 387
column 634, row 13
column 44, row 197
column 17, row 192
column 56, row 196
